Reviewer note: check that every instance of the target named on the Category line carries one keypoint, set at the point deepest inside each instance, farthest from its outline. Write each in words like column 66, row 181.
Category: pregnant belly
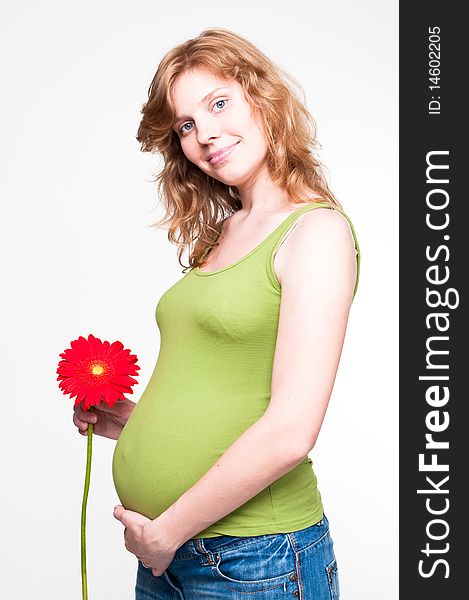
column 151, row 472
column 158, row 456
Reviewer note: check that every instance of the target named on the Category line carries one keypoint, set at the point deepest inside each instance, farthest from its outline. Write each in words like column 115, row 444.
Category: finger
column 119, row 511
column 82, row 422
column 83, row 428
column 78, row 409
column 88, row 416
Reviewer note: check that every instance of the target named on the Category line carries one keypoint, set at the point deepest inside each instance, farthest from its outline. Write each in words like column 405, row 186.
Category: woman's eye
column 218, row 102
column 182, row 130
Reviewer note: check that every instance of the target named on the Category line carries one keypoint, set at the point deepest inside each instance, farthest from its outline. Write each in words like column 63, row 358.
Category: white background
column 78, row 257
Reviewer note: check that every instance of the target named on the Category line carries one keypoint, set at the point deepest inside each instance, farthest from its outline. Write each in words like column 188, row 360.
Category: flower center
column 97, row 368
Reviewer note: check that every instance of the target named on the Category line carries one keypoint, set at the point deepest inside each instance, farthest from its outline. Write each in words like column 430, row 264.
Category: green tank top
column 212, row 380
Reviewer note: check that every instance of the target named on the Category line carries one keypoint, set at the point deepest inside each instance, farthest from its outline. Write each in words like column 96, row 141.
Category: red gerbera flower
column 96, row 371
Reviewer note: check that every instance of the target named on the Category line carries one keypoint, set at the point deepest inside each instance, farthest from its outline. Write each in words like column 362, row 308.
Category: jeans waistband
column 206, row 548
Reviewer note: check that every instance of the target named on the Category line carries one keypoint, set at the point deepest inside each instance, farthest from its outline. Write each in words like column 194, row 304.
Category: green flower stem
column 84, row 586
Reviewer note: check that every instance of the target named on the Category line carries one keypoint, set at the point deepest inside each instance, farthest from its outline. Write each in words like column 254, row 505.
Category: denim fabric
column 275, row 566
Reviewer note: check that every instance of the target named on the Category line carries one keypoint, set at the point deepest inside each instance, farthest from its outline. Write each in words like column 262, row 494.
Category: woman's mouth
column 222, row 156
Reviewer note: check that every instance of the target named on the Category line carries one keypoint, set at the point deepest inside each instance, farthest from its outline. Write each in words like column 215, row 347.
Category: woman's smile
column 223, row 156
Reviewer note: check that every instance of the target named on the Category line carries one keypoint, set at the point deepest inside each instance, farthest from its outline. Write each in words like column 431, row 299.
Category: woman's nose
column 207, row 132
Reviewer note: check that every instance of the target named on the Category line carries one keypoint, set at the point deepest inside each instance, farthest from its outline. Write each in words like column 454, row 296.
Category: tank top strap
column 284, row 229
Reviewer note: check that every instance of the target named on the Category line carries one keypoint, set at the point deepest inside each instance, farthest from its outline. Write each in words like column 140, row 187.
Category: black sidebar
column 434, row 268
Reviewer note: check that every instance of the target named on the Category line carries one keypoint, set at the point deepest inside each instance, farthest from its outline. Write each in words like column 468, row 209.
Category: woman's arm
column 317, row 293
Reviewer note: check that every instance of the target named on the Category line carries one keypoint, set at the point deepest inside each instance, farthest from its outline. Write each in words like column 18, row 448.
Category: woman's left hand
column 144, row 538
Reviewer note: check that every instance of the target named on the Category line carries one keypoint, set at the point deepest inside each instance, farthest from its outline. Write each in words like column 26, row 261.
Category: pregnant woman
column 219, row 497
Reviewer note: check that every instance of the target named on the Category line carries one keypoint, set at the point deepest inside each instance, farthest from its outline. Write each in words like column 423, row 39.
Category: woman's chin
column 226, row 177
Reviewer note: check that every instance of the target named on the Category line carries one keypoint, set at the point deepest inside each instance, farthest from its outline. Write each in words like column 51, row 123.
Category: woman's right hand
column 107, row 421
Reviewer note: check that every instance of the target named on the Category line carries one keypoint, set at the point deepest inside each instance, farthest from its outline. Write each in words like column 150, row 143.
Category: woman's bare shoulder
column 322, row 225
column 322, row 235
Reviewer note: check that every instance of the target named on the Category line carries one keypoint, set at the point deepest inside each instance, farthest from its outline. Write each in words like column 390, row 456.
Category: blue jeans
column 274, row 566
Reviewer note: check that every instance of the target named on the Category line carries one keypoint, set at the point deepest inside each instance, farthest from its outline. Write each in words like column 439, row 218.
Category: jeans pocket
column 333, row 579
column 256, row 566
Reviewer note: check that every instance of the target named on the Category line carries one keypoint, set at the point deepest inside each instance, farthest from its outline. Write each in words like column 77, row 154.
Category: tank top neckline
column 200, row 273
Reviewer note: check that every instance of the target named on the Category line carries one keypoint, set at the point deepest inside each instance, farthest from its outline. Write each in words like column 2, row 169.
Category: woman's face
column 213, row 114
